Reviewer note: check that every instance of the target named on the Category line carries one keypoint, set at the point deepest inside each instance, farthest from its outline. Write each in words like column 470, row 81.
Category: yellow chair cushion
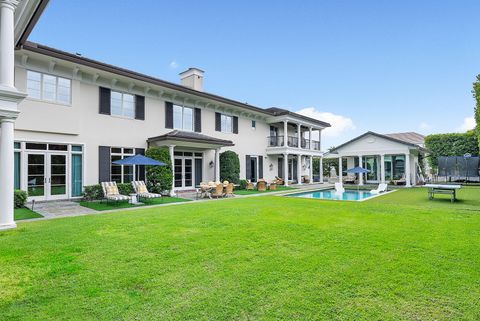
column 112, row 190
column 142, row 189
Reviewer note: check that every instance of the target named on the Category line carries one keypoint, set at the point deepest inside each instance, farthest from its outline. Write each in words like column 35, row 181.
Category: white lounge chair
column 339, row 188
column 142, row 191
column 111, row 193
column 380, row 189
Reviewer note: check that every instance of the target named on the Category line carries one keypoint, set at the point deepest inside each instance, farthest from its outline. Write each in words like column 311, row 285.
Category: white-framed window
column 122, row 104
column 182, row 118
column 226, row 123
column 49, row 87
column 121, row 173
column 254, row 124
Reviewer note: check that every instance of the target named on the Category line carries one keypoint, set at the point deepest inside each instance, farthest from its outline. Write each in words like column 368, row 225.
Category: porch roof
column 189, row 139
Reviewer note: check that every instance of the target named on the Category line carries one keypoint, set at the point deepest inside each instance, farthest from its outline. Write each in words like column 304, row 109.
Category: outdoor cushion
column 112, row 190
column 141, row 189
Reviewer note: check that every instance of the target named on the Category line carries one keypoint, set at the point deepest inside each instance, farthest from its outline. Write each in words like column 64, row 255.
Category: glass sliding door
column 370, row 163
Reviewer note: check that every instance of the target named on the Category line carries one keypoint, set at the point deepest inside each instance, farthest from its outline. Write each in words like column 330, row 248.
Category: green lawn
column 395, row 257
column 250, row 192
column 25, row 213
column 104, row 206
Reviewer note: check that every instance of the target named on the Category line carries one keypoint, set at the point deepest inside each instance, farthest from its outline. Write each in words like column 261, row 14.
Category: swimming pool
column 330, row 194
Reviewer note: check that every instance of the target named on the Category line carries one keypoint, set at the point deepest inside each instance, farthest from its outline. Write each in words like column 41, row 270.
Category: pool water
column 331, row 194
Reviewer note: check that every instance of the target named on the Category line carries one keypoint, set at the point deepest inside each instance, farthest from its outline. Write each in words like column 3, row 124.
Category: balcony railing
column 292, row 141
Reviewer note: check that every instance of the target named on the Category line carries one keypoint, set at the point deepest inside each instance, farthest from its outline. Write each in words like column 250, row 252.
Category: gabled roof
column 55, row 53
column 409, row 137
column 275, row 111
column 190, row 137
column 391, row 137
column 27, row 14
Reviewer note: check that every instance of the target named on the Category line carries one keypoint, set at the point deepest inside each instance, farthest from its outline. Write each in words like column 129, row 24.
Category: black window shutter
column 260, row 167
column 280, row 167
column 140, row 168
column 139, row 107
column 248, row 167
column 218, row 122
column 168, row 114
column 198, row 120
column 104, row 162
column 235, row 124
column 104, row 105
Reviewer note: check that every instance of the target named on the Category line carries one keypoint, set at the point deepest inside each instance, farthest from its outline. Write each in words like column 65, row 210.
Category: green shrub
column 19, row 198
column 453, row 144
column 243, row 184
column 92, row 192
column 229, row 167
column 159, row 178
column 125, row 188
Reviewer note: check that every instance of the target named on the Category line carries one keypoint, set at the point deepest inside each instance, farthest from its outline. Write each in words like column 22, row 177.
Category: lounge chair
column 339, row 188
column 111, row 193
column 279, row 180
column 229, row 190
column 380, row 189
column 142, row 192
column 218, row 191
column 261, row 186
column 401, row 181
column 350, row 178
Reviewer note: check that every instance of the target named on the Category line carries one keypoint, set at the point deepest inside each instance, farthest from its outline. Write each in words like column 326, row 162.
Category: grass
column 251, row 192
column 104, row 206
column 24, row 213
column 395, row 257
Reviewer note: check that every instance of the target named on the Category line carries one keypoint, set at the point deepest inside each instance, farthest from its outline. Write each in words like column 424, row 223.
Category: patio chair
column 273, row 186
column 261, row 186
column 218, row 191
column 401, row 181
column 111, row 193
column 229, row 190
column 279, row 180
column 142, row 192
column 306, row 179
column 350, row 178
column 380, row 189
column 339, row 188
column 250, row 186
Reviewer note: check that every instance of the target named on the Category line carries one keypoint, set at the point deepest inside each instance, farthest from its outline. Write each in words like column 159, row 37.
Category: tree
column 229, row 167
column 476, row 95
column 159, row 178
column 454, row 144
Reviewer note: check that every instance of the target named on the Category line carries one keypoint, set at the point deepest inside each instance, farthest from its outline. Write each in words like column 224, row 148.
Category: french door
column 46, row 176
column 183, row 174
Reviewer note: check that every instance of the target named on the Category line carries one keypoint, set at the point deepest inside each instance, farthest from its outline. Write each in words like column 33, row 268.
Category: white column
column 9, row 99
column 321, row 170
column 311, row 168
column 407, row 170
column 217, row 164
column 382, row 168
column 299, row 130
column 299, row 169
column 310, row 138
column 285, row 133
column 340, row 174
column 285, row 168
column 6, row 174
column 171, row 149
column 360, row 164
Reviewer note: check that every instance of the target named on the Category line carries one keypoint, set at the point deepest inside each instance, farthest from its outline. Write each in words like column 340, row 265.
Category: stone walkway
column 60, row 208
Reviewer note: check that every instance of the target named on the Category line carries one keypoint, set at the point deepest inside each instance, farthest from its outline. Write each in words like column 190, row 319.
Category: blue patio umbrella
column 358, row 170
column 139, row 160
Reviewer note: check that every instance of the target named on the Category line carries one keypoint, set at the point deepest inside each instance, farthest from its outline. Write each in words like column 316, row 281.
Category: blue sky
column 385, row 66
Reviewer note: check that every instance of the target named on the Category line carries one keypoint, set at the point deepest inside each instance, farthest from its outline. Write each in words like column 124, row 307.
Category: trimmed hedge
column 159, row 178
column 453, row 144
column 92, row 192
column 229, row 167
column 19, row 198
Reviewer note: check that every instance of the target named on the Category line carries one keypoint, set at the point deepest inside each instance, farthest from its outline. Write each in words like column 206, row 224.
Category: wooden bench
column 443, row 189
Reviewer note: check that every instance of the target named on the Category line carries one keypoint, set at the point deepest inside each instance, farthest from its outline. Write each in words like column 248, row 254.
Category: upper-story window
column 182, row 118
column 122, row 104
column 226, row 123
column 254, row 124
column 48, row 87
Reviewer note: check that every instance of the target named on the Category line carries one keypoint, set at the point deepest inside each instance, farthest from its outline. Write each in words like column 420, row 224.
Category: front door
column 46, row 176
column 183, row 168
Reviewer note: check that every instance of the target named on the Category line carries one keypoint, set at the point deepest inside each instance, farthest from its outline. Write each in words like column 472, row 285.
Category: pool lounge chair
column 380, row 189
column 111, row 193
column 142, row 192
column 339, row 188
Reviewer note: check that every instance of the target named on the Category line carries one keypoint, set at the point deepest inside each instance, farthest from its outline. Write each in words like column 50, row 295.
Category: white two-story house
column 80, row 115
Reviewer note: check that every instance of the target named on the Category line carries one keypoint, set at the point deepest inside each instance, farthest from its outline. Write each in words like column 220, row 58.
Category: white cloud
column 340, row 124
column 173, row 64
column 424, row 125
column 468, row 124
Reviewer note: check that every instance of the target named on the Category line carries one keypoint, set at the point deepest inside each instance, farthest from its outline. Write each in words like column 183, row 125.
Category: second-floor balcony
column 292, row 141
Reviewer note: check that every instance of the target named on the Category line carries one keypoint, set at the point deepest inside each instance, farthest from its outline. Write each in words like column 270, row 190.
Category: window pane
column 57, row 147
column 34, row 84
column 128, row 151
column 16, row 170
column 33, row 75
column 129, row 109
column 228, row 124
column 49, row 88
column 177, row 117
column 16, row 145
column 76, row 148
column 36, row 146
column 116, row 150
column 63, row 95
column 187, row 118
